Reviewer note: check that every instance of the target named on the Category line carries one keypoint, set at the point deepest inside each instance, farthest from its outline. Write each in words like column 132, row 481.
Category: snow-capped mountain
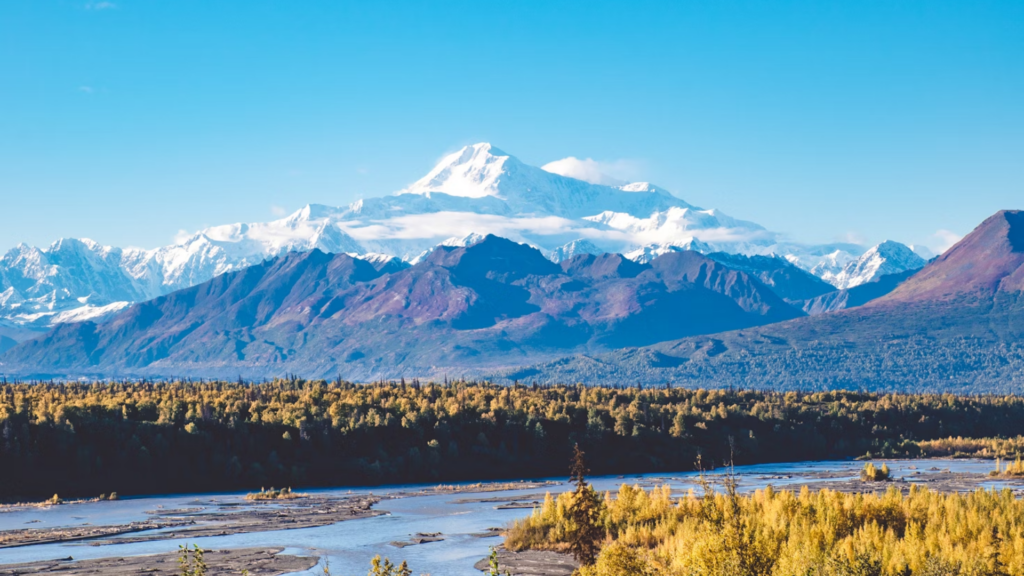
column 43, row 286
column 574, row 248
column 74, row 280
column 476, row 191
column 648, row 252
column 886, row 258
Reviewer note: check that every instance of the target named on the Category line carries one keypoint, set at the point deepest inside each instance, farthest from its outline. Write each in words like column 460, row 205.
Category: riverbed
column 454, row 530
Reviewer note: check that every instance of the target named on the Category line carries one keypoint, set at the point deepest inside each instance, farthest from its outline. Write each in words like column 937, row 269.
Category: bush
column 1013, row 469
column 282, row 494
column 872, row 474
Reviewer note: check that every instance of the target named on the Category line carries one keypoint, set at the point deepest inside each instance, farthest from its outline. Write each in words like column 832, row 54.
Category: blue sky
column 128, row 120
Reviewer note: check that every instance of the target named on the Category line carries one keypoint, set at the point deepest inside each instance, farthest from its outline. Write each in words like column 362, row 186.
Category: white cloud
column 852, row 237
column 615, row 173
column 86, row 89
column 631, row 233
column 944, row 240
column 448, row 224
column 676, row 223
column 182, row 236
column 100, row 6
column 278, row 210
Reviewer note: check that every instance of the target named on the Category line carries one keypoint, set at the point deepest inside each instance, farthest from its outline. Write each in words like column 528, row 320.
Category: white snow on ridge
column 886, row 258
column 574, row 248
column 645, row 254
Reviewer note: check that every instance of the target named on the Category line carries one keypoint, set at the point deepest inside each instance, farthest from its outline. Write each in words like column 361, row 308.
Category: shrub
column 872, row 474
column 770, row 533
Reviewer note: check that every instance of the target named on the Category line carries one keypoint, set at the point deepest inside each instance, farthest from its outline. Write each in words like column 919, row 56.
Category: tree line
column 78, row 439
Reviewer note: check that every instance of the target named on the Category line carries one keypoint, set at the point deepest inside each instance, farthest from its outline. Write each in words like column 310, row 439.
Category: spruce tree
column 584, row 513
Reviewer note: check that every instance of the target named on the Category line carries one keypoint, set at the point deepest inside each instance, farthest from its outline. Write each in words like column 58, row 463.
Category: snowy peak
column 37, row 286
column 383, row 263
column 886, row 258
column 464, row 241
column 482, row 172
column 574, row 248
column 646, row 254
column 473, row 172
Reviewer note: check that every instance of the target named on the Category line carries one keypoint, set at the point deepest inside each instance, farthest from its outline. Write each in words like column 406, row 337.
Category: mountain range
column 955, row 325
column 461, row 308
column 476, row 191
column 487, row 306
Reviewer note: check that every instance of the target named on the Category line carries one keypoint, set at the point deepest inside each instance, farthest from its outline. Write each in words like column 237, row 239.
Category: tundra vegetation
column 81, row 440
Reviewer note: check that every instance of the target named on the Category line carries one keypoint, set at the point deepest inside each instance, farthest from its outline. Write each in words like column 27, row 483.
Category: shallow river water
column 349, row 545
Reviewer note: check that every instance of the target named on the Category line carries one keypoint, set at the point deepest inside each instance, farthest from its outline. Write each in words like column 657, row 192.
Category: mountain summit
column 883, row 259
column 482, row 170
column 473, row 172
column 987, row 262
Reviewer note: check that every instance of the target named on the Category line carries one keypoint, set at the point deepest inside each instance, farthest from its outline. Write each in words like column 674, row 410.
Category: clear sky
column 126, row 121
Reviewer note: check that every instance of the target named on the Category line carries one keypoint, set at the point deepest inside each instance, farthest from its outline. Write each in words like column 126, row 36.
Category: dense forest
column 86, row 439
column 875, row 360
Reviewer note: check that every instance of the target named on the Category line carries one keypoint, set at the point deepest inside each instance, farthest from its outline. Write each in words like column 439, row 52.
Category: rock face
column 784, row 278
column 956, row 325
column 857, row 296
column 492, row 303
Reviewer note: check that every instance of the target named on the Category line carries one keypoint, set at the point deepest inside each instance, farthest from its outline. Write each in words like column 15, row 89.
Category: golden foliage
column 959, row 447
column 272, row 494
column 870, row 473
column 1013, row 469
column 769, row 533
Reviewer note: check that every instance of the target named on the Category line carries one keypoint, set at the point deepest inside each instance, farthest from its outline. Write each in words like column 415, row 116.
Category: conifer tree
column 584, row 513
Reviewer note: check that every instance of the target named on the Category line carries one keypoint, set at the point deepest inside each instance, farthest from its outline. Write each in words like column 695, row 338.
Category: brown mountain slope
column 958, row 324
column 496, row 303
column 988, row 261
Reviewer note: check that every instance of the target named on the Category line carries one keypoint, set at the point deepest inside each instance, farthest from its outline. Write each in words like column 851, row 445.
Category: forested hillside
column 84, row 440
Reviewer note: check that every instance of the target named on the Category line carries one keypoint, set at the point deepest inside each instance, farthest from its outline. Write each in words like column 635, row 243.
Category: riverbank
column 252, row 561
column 223, row 520
column 225, row 517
